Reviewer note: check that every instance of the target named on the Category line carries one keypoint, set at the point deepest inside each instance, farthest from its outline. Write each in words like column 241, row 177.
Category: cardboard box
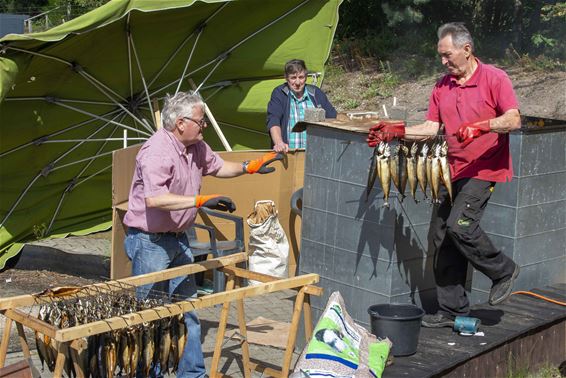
column 244, row 191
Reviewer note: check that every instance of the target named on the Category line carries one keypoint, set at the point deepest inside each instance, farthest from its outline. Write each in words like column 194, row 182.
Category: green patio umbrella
column 73, row 94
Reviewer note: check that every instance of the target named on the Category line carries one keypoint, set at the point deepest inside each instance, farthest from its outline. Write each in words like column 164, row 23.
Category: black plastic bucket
column 401, row 323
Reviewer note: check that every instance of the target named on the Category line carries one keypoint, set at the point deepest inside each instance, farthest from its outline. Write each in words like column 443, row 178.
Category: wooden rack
column 73, row 336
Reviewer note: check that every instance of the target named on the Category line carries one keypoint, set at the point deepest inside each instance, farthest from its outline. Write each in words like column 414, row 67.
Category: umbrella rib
column 60, row 99
column 45, row 171
column 189, row 60
column 187, row 75
column 170, row 59
column 72, row 184
column 91, row 140
column 52, row 164
column 130, row 58
column 88, row 77
column 43, row 139
column 266, row 26
column 81, row 160
column 74, row 66
column 243, row 128
column 19, row 199
column 222, row 57
column 96, row 84
column 142, row 78
column 55, row 101
column 200, row 29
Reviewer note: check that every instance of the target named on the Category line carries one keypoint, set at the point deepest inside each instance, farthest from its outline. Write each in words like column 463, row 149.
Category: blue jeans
column 150, row 252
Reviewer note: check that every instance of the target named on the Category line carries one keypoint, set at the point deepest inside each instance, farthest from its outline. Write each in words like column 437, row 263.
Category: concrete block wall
column 373, row 254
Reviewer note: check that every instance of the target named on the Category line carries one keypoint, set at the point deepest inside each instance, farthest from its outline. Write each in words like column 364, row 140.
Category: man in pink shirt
column 163, row 203
column 477, row 105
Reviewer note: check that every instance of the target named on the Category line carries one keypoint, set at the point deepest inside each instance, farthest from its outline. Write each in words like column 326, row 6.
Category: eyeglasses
column 200, row 123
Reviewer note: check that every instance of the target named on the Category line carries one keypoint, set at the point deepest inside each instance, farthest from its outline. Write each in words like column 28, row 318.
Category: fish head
column 387, row 151
column 444, row 148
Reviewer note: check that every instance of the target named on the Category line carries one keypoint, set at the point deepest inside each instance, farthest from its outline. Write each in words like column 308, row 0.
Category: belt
column 170, row 233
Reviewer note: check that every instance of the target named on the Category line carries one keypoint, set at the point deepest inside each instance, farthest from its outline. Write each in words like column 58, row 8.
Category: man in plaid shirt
column 287, row 107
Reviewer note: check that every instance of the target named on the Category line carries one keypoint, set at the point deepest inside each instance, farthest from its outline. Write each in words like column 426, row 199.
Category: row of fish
column 421, row 165
column 135, row 349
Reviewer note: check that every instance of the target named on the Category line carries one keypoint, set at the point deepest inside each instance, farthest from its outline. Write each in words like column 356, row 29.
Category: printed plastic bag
column 341, row 348
column 268, row 245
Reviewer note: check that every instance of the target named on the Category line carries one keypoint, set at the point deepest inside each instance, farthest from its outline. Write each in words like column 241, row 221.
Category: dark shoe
column 437, row 320
column 501, row 290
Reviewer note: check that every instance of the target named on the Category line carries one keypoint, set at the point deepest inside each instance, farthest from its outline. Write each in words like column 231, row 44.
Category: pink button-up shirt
column 486, row 95
column 165, row 165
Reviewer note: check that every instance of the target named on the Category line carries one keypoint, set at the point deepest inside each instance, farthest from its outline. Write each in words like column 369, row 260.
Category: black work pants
column 456, row 238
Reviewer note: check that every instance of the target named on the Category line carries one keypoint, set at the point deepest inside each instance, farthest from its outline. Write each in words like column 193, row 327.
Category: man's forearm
column 510, row 120
column 275, row 132
column 422, row 131
column 170, row 201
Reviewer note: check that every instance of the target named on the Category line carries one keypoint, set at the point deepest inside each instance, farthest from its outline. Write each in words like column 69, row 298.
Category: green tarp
column 68, row 94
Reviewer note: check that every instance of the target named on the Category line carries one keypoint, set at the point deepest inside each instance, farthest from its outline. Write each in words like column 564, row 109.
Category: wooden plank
column 261, row 277
column 31, row 322
column 184, row 306
column 20, row 369
column 529, row 351
column 266, row 371
column 28, row 300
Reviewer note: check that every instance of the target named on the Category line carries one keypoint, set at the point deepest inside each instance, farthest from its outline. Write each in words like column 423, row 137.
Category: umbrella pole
column 213, row 121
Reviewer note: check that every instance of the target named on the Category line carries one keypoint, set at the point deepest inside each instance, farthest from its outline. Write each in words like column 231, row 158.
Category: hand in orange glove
column 261, row 165
column 469, row 131
column 216, row 202
column 385, row 131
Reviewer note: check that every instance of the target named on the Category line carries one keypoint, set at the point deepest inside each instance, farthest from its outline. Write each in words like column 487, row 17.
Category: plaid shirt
column 296, row 114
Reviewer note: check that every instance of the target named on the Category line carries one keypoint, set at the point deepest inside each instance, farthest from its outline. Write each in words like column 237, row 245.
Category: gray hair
column 459, row 33
column 179, row 105
column 294, row 66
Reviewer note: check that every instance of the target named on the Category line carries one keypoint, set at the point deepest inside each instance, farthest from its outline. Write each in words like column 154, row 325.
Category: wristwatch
column 245, row 166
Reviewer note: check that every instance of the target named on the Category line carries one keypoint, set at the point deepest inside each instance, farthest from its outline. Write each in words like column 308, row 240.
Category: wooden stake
column 5, row 341
column 307, row 315
column 213, row 121
column 60, row 361
column 293, row 333
column 244, row 334
column 23, row 340
column 221, row 330
column 156, row 113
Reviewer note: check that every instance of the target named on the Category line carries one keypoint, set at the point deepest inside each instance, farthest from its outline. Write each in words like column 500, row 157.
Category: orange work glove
column 261, row 165
column 385, row 131
column 216, row 202
column 469, row 131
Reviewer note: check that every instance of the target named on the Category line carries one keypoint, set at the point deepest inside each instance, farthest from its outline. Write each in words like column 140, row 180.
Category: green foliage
column 351, row 103
column 375, row 28
column 30, row 7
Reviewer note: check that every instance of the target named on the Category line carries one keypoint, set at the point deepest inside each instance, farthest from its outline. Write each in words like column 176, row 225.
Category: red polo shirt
column 486, row 95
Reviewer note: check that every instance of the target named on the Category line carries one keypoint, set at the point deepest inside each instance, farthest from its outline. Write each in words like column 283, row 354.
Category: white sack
column 268, row 245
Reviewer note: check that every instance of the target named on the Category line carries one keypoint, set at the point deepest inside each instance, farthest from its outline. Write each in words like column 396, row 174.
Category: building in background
column 12, row 23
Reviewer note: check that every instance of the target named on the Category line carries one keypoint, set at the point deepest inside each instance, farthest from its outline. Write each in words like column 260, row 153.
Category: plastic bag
column 268, row 246
column 340, row 347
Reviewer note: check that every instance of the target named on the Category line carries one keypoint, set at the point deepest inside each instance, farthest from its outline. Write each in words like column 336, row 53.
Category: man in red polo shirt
column 477, row 105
